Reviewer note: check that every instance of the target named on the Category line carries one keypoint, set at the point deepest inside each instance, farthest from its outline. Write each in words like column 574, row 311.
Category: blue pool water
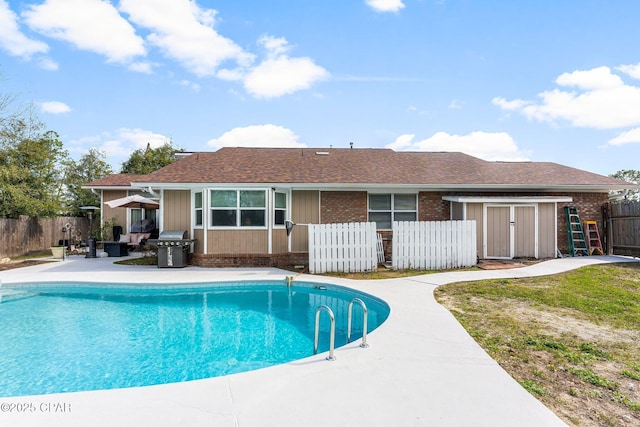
column 70, row 337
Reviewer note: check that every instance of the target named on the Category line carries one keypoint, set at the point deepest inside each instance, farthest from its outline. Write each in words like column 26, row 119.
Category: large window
column 238, row 208
column 386, row 208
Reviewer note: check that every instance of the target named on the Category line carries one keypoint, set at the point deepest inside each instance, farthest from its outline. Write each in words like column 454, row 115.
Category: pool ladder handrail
column 332, row 335
column 364, row 322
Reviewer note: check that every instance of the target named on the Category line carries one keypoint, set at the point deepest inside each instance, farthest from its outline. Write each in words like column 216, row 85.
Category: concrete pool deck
column 422, row 368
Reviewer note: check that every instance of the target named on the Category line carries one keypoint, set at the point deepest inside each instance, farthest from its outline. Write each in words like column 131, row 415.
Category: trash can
column 91, row 248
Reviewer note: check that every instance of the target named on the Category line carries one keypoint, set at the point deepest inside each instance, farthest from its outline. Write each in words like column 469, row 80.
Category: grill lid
column 172, row 235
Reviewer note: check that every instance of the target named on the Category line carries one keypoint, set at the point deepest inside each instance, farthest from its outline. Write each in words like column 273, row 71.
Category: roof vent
column 322, row 153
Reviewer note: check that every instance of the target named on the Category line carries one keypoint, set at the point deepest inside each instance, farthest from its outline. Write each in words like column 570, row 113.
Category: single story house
column 234, row 202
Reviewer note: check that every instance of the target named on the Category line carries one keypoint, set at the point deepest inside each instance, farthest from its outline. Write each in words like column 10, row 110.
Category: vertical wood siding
column 177, row 210
column 547, row 234
column 305, row 209
column 498, row 232
column 237, row 242
column 117, row 214
column 525, row 232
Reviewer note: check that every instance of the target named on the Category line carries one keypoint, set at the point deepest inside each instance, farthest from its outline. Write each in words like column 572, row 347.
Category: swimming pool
column 67, row 337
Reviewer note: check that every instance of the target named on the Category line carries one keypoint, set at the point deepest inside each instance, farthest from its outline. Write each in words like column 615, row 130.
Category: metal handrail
column 364, row 322
column 332, row 335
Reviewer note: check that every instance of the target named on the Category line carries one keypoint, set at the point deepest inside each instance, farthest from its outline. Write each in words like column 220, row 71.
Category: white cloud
column 189, row 84
column 119, row 144
column 12, row 40
column 257, row 136
column 597, row 78
column 48, row 64
column 514, row 105
column 185, row 32
column 279, row 74
column 631, row 70
column 92, row 25
column 54, row 107
column 628, row 137
column 602, row 101
column 385, row 5
column 140, row 138
column 141, row 67
column 491, row 146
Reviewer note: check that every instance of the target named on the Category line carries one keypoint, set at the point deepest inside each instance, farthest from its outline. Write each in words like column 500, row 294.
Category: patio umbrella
column 135, row 201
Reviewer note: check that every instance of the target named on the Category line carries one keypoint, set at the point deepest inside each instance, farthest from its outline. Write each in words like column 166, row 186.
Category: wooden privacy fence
column 434, row 245
column 622, row 234
column 348, row 247
column 28, row 234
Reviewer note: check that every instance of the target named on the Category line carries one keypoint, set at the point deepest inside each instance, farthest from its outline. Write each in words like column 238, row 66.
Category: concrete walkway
column 421, row 369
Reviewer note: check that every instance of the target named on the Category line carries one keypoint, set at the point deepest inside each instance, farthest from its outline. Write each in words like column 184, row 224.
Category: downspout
column 161, row 213
column 270, row 204
column 150, row 191
column 205, row 220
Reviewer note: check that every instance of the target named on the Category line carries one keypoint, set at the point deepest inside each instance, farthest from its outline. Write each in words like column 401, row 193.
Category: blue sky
column 501, row 80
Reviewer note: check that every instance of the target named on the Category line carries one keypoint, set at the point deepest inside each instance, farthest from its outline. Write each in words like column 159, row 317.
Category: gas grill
column 173, row 248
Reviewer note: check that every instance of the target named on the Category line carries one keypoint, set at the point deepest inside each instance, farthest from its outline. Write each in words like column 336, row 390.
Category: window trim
column 285, row 209
column 196, row 209
column 238, row 209
column 392, row 210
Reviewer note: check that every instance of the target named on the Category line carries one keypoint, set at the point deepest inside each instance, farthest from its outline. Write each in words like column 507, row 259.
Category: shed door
column 498, row 232
column 510, row 231
column 525, row 232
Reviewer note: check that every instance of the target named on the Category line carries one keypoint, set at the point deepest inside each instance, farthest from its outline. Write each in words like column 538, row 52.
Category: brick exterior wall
column 351, row 206
column 431, row 207
column 589, row 207
column 343, row 206
column 286, row 261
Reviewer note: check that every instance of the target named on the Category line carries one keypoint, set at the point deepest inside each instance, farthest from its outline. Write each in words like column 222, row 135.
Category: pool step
column 7, row 295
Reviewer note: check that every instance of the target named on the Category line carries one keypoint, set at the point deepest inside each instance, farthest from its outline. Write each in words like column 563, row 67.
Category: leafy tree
column 629, row 175
column 90, row 167
column 30, row 170
column 31, row 161
column 144, row 161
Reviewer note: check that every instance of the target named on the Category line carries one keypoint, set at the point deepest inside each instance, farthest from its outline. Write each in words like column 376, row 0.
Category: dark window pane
column 199, row 217
column 380, row 202
column 404, row 216
column 252, row 218
column 279, row 217
column 404, row 202
column 252, row 199
column 223, row 217
column 198, row 200
column 224, row 198
column 382, row 220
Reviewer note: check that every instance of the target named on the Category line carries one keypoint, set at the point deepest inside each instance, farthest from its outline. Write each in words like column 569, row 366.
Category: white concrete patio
column 421, row 369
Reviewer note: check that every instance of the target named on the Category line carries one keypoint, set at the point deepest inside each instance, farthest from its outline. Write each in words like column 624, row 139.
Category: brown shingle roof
column 360, row 166
column 116, row 180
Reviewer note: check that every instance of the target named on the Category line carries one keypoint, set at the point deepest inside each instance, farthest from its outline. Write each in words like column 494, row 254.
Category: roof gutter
column 355, row 186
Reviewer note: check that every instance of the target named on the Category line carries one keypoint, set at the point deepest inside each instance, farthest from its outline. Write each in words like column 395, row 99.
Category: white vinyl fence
column 434, row 245
column 348, row 247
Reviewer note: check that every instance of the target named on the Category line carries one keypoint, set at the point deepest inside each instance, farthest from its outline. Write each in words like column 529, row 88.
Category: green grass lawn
column 572, row 340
